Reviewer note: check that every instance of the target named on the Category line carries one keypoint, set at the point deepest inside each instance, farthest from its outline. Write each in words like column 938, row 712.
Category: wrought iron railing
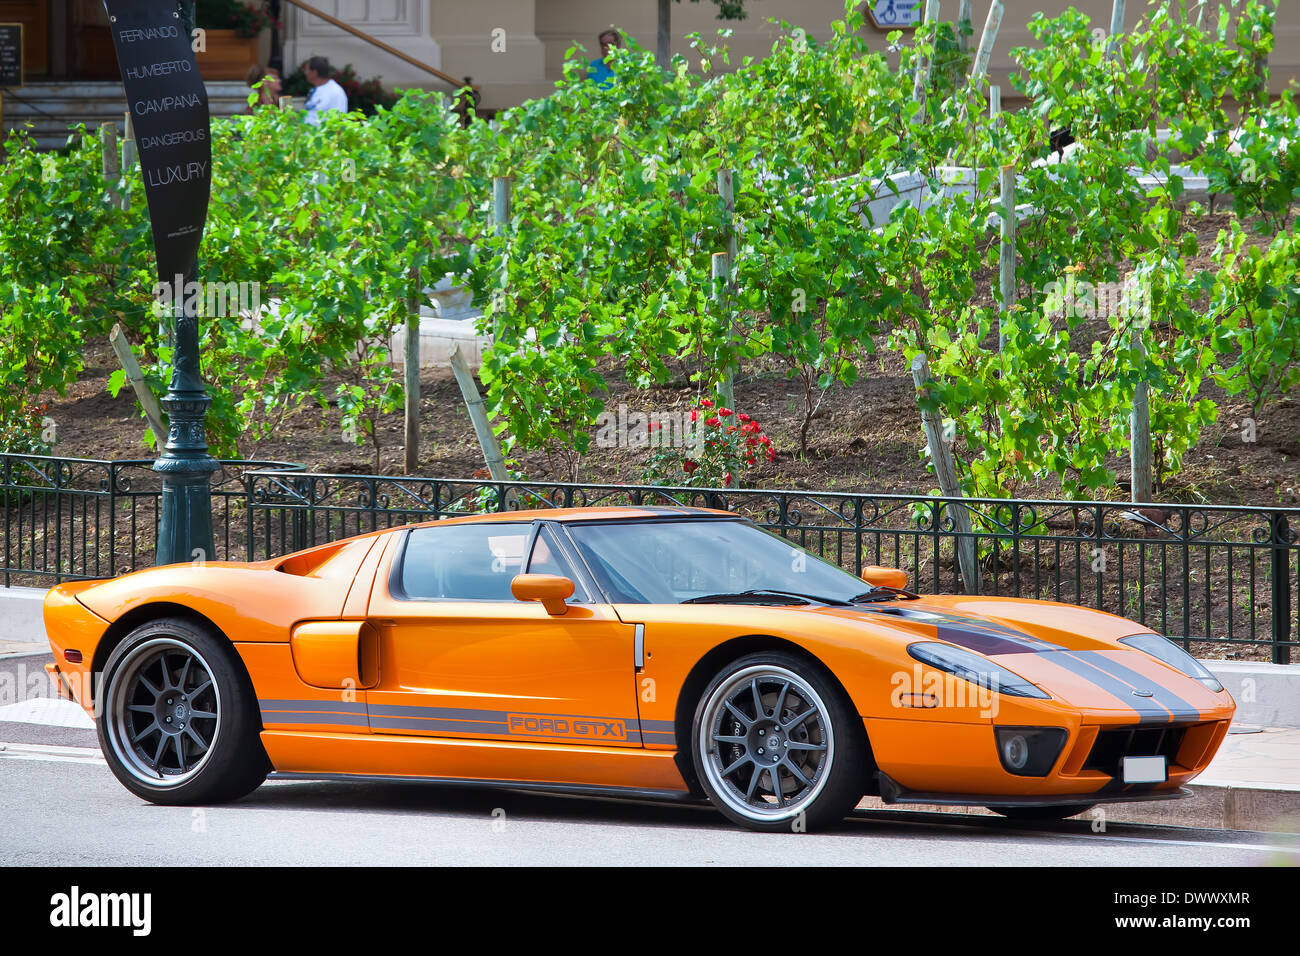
column 1216, row 578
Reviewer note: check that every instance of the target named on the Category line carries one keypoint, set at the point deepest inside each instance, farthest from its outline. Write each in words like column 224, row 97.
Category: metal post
column 946, row 471
column 411, row 375
column 1280, row 538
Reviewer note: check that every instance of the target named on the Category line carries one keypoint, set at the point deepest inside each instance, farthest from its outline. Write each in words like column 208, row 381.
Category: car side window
column 471, row 562
column 548, row 558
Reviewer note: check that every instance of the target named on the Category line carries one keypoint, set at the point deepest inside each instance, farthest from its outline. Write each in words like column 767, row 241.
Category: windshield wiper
column 747, row 597
column 883, row 592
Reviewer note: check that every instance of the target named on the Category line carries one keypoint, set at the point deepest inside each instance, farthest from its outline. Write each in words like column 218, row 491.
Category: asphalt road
column 71, row 811
column 60, row 805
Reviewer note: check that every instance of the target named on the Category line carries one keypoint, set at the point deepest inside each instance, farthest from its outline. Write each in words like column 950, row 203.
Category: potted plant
column 231, row 28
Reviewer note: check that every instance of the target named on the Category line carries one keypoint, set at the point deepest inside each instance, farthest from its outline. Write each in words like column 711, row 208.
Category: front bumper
column 891, row 791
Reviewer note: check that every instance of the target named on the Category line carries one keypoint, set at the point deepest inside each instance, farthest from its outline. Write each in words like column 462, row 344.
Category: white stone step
column 53, row 108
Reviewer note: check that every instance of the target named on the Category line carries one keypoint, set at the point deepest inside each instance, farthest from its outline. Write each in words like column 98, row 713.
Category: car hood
column 1072, row 653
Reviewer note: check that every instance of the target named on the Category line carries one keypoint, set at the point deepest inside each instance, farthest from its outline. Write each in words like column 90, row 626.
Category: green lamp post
column 185, row 519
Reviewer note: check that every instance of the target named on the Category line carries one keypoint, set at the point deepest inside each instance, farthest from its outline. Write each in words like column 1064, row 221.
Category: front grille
column 1112, row 746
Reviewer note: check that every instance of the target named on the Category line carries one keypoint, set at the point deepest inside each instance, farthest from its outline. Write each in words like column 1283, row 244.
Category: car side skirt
column 473, row 761
column 891, row 792
column 676, row 796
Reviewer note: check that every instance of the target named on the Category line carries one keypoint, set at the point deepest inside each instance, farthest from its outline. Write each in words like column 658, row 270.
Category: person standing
column 600, row 71
column 326, row 94
column 268, row 94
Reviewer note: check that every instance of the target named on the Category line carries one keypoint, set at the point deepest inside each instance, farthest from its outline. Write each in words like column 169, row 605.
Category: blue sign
column 896, row 13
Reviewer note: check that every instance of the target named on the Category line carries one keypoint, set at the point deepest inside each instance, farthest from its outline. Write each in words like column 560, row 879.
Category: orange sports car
column 664, row 652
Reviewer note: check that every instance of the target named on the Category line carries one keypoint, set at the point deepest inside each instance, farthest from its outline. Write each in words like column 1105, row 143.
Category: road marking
column 49, row 711
column 51, row 752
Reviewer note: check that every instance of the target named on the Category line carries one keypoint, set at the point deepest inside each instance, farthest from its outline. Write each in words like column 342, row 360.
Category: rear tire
column 777, row 745
column 1043, row 813
column 180, row 722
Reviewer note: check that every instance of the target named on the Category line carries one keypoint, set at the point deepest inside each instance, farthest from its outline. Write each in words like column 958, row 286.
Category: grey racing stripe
column 437, row 713
column 332, row 706
column 1179, row 708
column 1148, row 708
column 440, row 725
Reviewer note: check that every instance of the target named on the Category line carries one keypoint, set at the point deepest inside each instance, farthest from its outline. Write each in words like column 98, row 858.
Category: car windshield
column 667, row 562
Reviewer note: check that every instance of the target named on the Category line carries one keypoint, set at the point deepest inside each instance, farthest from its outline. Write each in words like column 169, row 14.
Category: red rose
column 750, row 460
column 694, row 415
column 725, row 412
column 743, row 417
column 726, row 478
column 771, row 455
column 764, row 440
column 705, row 403
column 653, row 426
column 689, row 466
column 713, row 421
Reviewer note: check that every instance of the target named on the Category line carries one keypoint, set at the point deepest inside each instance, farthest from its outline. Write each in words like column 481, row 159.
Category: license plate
column 1145, row 770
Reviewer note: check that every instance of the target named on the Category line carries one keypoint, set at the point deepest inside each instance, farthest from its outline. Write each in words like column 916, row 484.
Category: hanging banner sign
column 169, row 113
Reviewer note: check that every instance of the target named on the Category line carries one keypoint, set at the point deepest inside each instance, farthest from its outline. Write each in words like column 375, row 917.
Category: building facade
column 515, row 49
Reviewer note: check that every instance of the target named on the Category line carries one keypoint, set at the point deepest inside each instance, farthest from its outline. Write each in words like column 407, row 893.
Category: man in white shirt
column 325, row 94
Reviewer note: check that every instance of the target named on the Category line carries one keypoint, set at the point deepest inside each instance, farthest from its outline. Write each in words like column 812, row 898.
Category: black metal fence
column 1212, row 577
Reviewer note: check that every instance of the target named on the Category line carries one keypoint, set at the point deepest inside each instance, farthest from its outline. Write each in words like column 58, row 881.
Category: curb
column 22, row 618
column 1267, row 695
column 1217, row 806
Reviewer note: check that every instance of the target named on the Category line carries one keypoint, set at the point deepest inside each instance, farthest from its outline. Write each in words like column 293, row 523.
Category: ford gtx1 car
column 662, row 652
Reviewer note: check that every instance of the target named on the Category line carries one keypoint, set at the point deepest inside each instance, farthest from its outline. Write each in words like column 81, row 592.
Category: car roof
column 625, row 513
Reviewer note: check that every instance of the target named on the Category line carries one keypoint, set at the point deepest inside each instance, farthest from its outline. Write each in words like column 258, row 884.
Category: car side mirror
column 550, row 589
column 880, row 577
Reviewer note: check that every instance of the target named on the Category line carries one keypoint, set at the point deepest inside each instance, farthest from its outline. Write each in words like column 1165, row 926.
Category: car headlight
column 975, row 668
column 1163, row 649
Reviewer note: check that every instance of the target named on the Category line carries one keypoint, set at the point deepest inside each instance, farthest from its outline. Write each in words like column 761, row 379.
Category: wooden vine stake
column 946, row 471
column 1007, row 252
column 723, row 263
column 921, row 82
column 477, row 409
column 148, row 401
column 111, row 161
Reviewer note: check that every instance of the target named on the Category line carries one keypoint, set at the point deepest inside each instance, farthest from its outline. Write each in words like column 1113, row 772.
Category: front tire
column 180, row 722
column 777, row 746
